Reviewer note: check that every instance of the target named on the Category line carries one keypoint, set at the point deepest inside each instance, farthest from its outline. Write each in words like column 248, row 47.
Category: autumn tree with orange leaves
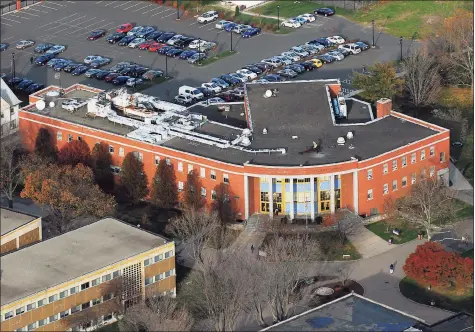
column 75, row 152
column 66, row 192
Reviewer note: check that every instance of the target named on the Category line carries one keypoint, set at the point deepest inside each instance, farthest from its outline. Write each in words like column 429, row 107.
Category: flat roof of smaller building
column 11, row 220
column 71, row 255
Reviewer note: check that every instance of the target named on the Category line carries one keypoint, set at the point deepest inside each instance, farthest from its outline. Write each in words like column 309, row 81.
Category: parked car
column 292, row 55
column 263, row 66
column 220, row 24
column 230, row 26
column 165, row 37
column 291, row 24
column 300, row 51
column 91, row 58
column 56, row 49
column 174, row 52
column 325, row 58
column 120, row 66
column 186, row 54
column 343, row 51
column 284, row 60
column 152, row 74
column 298, row 68
column 241, row 28
column 324, row 11
column 289, row 73
column 261, row 81
column 43, row 59
column 183, row 100
column 323, row 41
column 197, row 43
column 312, row 49
column 145, row 31
column 250, row 32
column 134, row 31
column 3, row 47
column 61, row 64
column 146, row 44
column 206, row 92
column 336, row 40
column 300, row 20
column 337, row 55
column 253, row 69
column 214, row 100
column 101, row 74
column 115, row 37
column 308, row 65
column 111, row 77
column 154, row 35
column 124, row 28
column 275, row 63
column 42, row 48
column 213, row 87
column 230, row 79
column 197, row 57
column 22, row 44
column 133, row 82
column 70, row 67
column 273, row 78
column 352, row 48
column 14, row 81
column 242, row 78
column 174, row 39
column 246, row 72
column 136, row 42
column 362, row 45
column 24, row 84
column 220, row 82
column 317, row 62
column 80, row 70
column 308, row 17
column 96, row 34
column 35, row 87
column 125, row 40
column 51, row 63
column 120, row 80
column 163, row 50
column 101, row 62
column 209, row 16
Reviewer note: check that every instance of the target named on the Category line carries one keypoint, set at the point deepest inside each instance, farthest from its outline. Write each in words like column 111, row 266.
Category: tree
column 222, row 204
column 431, row 265
column 236, row 11
column 101, row 161
column 422, row 79
column 75, row 152
column 164, row 191
column 45, row 146
column 10, row 167
column 380, row 82
column 192, row 191
column 156, row 314
column 428, row 204
column 67, row 192
column 391, row 213
column 133, row 179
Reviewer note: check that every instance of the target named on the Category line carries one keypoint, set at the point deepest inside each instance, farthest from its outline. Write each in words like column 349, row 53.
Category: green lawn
column 398, row 18
column 447, row 300
column 215, row 58
column 463, row 210
column 114, row 327
column 468, row 253
column 407, row 233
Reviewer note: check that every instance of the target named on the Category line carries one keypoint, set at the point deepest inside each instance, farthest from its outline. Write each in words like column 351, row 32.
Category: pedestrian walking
column 31, row 60
column 252, row 248
column 391, row 268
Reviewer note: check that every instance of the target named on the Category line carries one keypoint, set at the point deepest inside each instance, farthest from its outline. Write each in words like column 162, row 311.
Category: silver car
column 136, row 42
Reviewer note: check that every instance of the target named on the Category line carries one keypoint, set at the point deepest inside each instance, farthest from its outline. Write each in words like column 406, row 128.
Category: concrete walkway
column 459, row 182
column 367, row 243
column 253, row 234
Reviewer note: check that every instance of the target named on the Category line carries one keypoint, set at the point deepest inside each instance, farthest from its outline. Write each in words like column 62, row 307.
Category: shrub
column 236, row 11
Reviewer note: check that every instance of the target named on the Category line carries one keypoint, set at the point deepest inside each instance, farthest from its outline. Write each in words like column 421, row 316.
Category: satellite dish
column 51, row 104
column 40, row 105
column 268, row 94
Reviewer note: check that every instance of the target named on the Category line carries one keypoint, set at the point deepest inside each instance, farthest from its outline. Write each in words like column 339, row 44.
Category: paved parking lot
column 69, row 22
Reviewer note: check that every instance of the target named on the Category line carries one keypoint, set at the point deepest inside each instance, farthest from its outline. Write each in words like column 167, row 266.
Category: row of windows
column 159, row 277
column 181, row 186
column 68, row 312
column 61, row 295
column 403, row 182
column 157, row 258
column 394, row 163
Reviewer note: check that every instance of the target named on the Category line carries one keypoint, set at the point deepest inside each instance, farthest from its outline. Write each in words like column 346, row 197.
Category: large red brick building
column 292, row 147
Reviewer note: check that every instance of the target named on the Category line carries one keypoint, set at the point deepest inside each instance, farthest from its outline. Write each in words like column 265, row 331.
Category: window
column 213, row 174
column 41, row 303
column 70, row 137
column 79, row 138
column 31, row 326
column 64, row 314
column 59, row 136
column 423, row 174
column 180, row 186
column 73, row 290
column 169, row 254
column 190, row 168
column 96, row 282
column 53, row 318
column 432, row 171
column 413, row 158
column 21, row 329
column 404, row 161
column 413, row 178
column 225, row 178
column 107, row 297
column 394, row 165
column 42, row 322
column 157, row 160
column 159, row 277
column 168, row 273
column 203, row 192
column 180, row 166
column 432, row 151
column 19, row 311
column 394, row 185
column 158, row 258
column 107, row 317
column 85, row 286
column 370, row 174
column 8, row 315
column 63, row 294
column 213, row 194
column 111, row 149
column 148, row 281
column 121, row 151
column 385, row 169
column 53, row 298
column 442, row 157
column 96, row 301
column 115, row 274
column 107, row 277
column 31, row 306
column 385, row 189
column 168, row 161
column 75, row 309
column 404, row 181
column 85, row 305
column 370, row 194
column 202, row 172
column 423, row 154
column 147, row 262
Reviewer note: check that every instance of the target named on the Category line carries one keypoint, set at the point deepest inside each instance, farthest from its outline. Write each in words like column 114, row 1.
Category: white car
column 308, row 17
column 246, row 72
column 285, row 60
column 336, row 55
column 70, row 105
column 317, row 47
column 273, row 62
column 220, row 24
column 300, row 51
column 336, row 40
column 352, row 48
column 197, row 43
column 310, row 49
column 56, row 49
column 241, row 28
column 208, row 17
column 292, row 55
column 136, row 42
column 213, row 87
column 134, row 31
column 291, row 24
column 131, row 82
column 174, row 39
column 24, row 44
column 91, row 58
column 183, row 100
column 215, row 100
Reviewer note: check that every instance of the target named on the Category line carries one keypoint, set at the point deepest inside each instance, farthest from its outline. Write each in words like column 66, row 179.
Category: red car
column 155, row 47
column 111, row 77
column 146, row 45
column 125, row 28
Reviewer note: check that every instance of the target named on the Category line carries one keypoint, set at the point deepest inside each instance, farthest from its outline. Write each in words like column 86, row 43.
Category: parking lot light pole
column 199, row 50
column 178, row 10
column 166, row 66
column 13, row 65
column 372, row 22
column 278, row 17
column 231, row 32
column 400, row 42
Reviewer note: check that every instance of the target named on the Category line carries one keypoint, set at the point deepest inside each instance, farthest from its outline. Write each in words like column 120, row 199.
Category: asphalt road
column 69, row 23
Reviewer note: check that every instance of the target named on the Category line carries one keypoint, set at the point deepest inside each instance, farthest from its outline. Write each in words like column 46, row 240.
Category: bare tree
column 345, row 272
column 429, row 204
column 347, row 226
column 422, row 79
column 10, row 167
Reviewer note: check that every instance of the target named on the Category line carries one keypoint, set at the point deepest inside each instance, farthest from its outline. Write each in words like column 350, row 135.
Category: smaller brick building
column 18, row 230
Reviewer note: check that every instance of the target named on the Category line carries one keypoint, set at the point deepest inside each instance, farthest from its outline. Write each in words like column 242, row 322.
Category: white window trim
column 385, row 168
column 370, row 174
column 202, row 172
column 369, row 195
column 385, row 189
column 180, row 166
column 404, row 161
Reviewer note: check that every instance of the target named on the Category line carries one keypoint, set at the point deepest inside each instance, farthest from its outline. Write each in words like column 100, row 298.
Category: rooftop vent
column 268, row 94
column 284, row 151
column 340, row 141
column 246, row 132
column 52, row 104
column 295, row 137
column 245, row 141
column 349, row 135
column 264, row 131
column 351, row 147
column 40, row 105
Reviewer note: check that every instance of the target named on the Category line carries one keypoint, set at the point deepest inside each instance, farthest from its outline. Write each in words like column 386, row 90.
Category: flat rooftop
column 71, row 255
column 348, row 313
column 11, row 220
column 236, row 116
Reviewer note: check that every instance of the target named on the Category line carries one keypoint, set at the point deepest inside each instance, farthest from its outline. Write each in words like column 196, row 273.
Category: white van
column 191, row 92
column 352, row 48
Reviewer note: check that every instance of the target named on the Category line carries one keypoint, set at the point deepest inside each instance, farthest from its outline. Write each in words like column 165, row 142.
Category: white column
column 292, row 210
column 312, row 198
column 246, row 197
column 17, row 242
column 355, row 191
column 332, row 193
column 271, row 198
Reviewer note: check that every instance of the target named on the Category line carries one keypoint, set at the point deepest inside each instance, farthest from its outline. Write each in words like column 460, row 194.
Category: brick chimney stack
column 383, row 107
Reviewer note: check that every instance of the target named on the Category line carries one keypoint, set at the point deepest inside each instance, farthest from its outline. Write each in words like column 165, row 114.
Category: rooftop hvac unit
column 51, row 104
column 336, row 108
column 342, row 107
column 264, row 131
column 40, row 105
column 340, row 141
column 246, row 132
column 268, row 94
column 246, row 141
column 349, row 135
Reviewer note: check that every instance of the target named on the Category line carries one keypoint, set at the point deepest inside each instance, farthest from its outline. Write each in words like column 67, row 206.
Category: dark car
column 166, row 36
column 101, row 74
column 298, row 68
column 165, row 49
column 154, row 35
column 254, row 69
column 111, row 77
column 230, row 26
column 126, row 40
column 187, row 40
column 43, row 59
column 206, row 92
column 324, row 11
column 263, row 66
column 3, row 47
column 80, row 70
column 34, row 88
column 186, row 54
column 273, row 78
column 343, row 51
column 115, row 37
column 322, row 41
column 362, row 45
column 223, row 84
column 120, row 80
column 91, row 73
column 120, row 66
column 325, row 58
column 308, row 65
column 287, row 72
column 42, row 48
column 126, row 71
column 70, row 67
column 140, row 70
column 51, row 63
column 174, row 52
column 229, row 79
column 24, row 84
column 61, row 64
column 96, row 34
column 250, row 32
column 101, row 62
column 14, row 81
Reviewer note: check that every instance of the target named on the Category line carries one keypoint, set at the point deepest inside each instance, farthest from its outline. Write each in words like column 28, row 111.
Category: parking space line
column 18, row 16
column 123, row 3
column 205, row 25
column 99, row 2
column 9, row 19
column 25, row 12
column 55, row 3
column 141, row 8
column 138, row 3
column 110, row 3
column 57, row 21
column 5, row 39
column 83, row 28
column 168, row 15
column 113, row 23
column 193, row 23
column 214, row 28
column 6, row 24
column 37, row 10
column 41, row 5
column 157, row 7
column 68, row 24
column 70, row 1
column 163, row 11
